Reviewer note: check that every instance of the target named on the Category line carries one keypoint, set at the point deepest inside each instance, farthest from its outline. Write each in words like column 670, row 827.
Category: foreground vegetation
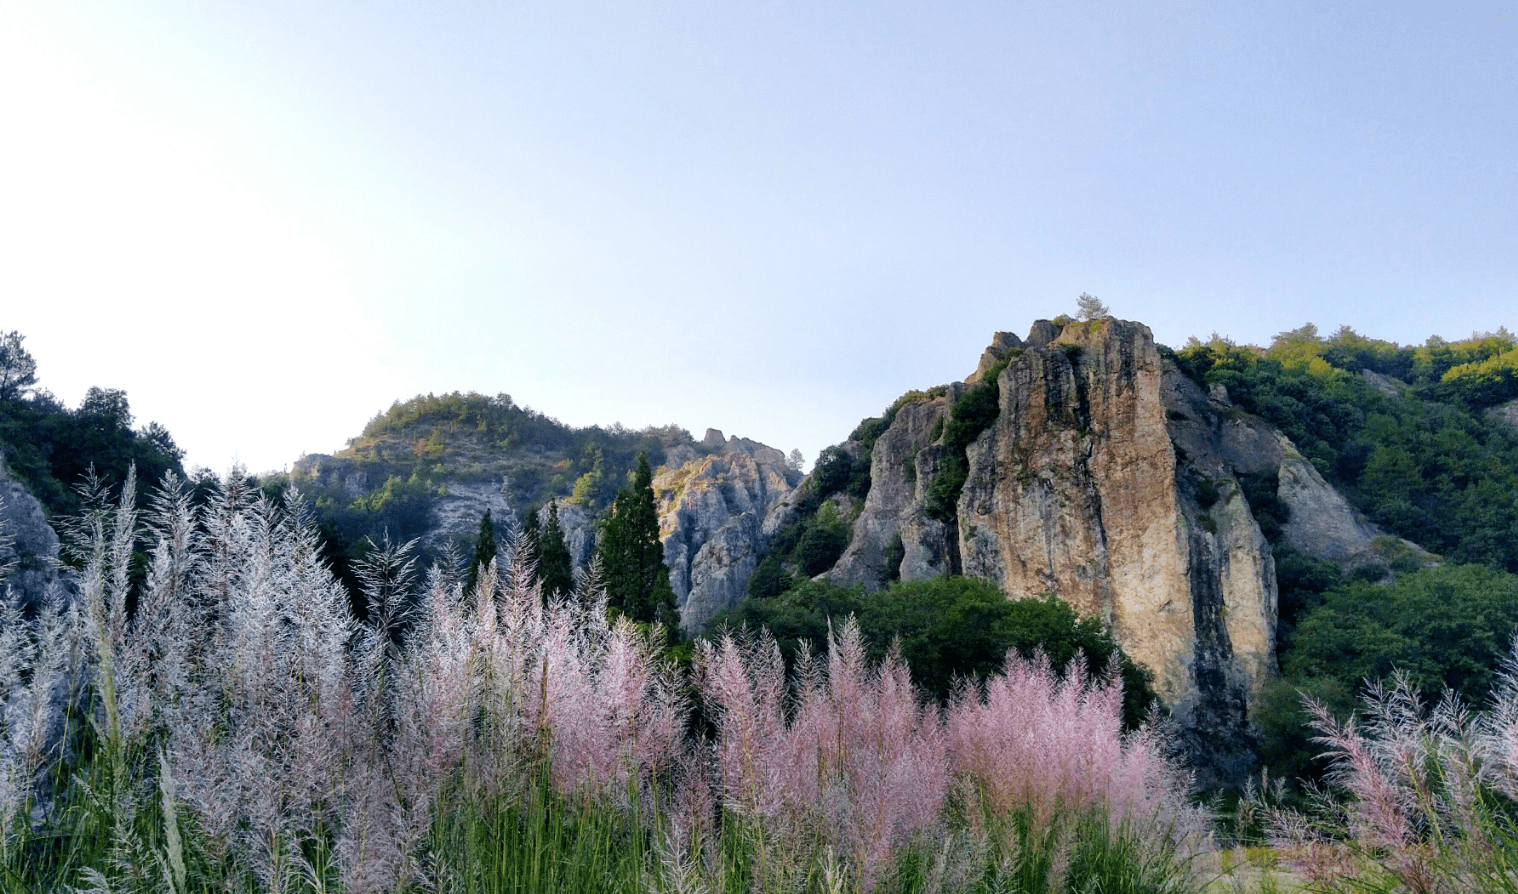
column 239, row 730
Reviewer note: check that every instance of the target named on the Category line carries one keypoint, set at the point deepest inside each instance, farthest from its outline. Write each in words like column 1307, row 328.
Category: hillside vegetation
column 1415, row 437
column 389, row 478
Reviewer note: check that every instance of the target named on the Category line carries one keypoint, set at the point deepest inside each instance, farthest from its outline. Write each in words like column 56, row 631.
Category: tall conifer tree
column 484, row 551
column 555, row 565
column 632, row 556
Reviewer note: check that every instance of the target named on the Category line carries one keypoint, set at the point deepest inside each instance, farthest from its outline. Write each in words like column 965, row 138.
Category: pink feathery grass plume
column 862, row 766
column 1041, row 742
column 594, row 700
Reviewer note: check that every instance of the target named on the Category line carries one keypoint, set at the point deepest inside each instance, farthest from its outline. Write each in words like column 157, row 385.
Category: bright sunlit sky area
column 267, row 221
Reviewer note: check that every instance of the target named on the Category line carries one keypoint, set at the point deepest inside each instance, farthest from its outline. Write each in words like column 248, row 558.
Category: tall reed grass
column 237, row 729
column 1422, row 798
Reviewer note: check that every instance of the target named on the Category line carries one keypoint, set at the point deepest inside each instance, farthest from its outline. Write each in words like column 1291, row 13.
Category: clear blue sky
column 266, row 221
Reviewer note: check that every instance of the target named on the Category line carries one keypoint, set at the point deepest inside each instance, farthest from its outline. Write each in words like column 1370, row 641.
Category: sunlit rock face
column 713, row 511
column 1078, row 489
column 1111, row 480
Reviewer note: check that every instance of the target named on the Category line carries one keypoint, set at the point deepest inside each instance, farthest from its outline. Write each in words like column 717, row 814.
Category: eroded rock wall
column 1080, row 488
column 29, row 547
column 713, row 512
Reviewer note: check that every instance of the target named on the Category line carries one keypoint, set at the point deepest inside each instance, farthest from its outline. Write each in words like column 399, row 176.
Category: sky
column 268, row 221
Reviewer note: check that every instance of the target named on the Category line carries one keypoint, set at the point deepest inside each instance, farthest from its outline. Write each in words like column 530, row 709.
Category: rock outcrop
column 713, row 513
column 29, row 547
column 1507, row 414
column 1114, row 482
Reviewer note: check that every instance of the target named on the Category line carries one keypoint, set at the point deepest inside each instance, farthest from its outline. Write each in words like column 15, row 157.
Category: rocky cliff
column 28, row 547
column 713, row 511
column 1114, row 482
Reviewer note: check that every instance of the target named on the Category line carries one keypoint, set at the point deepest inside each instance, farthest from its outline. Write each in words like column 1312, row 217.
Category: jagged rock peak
column 1002, row 343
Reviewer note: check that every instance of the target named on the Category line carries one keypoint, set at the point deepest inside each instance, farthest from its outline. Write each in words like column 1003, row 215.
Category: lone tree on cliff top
column 1091, row 307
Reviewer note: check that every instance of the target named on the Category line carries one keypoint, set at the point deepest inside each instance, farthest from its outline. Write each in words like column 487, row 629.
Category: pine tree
column 1091, row 307
column 484, row 551
column 632, row 556
column 531, row 531
column 555, row 565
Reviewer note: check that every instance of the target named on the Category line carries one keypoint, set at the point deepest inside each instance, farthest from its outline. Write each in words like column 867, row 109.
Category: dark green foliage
column 1447, row 627
column 971, row 415
column 631, row 556
column 1206, row 493
column 484, row 551
column 1301, row 581
column 831, row 473
column 51, row 449
column 554, row 563
column 895, row 554
column 1269, row 510
column 1282, row 724
column 821, row 544
column 946, row 628
column 1426, row 464
column 942, row 502
column 769, row 579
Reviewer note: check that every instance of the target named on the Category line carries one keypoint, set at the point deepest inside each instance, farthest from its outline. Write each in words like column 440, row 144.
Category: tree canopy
column 1091, row 307
column 948, row 629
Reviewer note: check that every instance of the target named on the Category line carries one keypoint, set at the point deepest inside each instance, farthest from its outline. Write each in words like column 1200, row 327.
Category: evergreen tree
column 18, row 371
column 1091, row 307
column 484, row 551
column 555, row 566
column 632, row 556
column 531, row 531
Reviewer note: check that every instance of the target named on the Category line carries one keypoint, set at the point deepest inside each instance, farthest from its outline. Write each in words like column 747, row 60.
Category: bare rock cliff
column 713, row 511
column 29, row 547
column 1078, row 489
column 1114, row 482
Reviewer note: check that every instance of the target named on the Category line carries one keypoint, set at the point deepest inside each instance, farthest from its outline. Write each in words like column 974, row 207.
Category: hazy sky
column 266, row 221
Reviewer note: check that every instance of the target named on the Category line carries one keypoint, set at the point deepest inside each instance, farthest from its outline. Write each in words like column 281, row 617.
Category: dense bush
column 51, row 449
column 1443, row 628
column 946, row 629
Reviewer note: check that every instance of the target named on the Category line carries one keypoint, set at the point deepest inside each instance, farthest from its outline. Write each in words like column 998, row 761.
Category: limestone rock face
column 902, row 465
column 30, row 546
column 1322, row 524
column 1002, row 344
column 715, row 517
column 456, row 516
column 579, row 532
column 1074, row 491
column 1090, row 485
